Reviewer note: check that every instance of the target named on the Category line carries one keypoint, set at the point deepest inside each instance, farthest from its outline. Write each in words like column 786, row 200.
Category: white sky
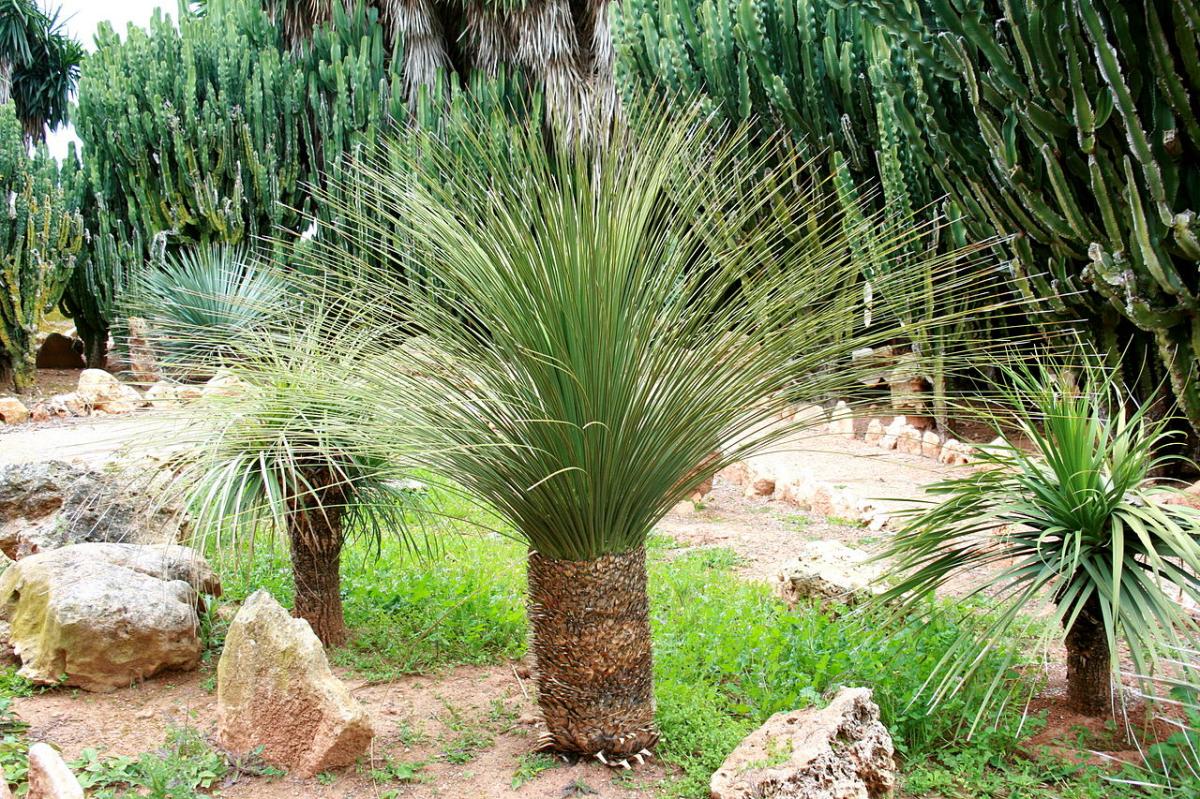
column 82, row 18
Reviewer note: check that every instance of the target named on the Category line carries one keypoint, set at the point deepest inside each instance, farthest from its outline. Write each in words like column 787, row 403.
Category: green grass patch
column 727, row 656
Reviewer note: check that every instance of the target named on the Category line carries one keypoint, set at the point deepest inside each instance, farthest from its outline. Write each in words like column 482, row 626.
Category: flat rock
column 841, row 751
column 52, row 504
column 102, row 616
column 275, row 690
column 829, row 571
column 49, row 777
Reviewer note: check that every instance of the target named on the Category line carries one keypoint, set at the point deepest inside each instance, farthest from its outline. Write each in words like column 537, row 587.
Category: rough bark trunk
column 315, row 529
column 1089, row 667
column 591, row 641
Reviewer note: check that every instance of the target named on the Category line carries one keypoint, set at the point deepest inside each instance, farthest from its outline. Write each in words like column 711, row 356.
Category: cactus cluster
column 1081, row 141
column 833, row 85
column 39, row 240
column 221, row 131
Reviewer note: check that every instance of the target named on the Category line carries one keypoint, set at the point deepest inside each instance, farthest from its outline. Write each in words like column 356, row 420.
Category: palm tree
column 599, row 321
column 1074, row 521
column 39, row 65
column 271, row 450
column 18, row 30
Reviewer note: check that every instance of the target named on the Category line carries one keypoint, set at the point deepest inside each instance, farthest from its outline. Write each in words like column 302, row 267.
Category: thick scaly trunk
column 315, row 529
column 1089, row 666
column 591, row 640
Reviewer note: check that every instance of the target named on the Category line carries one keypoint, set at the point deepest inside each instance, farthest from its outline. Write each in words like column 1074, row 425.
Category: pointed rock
column 275, row 690
column 842, row 751
column 49, row 777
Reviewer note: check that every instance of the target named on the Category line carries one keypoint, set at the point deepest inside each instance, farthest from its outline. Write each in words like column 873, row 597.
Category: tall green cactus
column 220, row 130
column 201, row 127
column 39, row 240
column 1083, row 144
column 837, row 86
column 110, row 251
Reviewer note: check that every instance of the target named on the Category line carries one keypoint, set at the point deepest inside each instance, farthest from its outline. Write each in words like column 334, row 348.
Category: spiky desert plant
column 596, row 323
column 1073, row 520
column 39, row 240
column 275, row 452
column 39, row 64
column 200, row 302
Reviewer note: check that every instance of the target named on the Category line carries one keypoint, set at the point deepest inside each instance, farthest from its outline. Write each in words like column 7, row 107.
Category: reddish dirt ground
column 416, row 720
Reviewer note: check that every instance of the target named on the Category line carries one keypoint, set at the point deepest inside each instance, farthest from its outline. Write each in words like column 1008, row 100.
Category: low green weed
column 14, row 747
column 187, row 767
column 530, row 765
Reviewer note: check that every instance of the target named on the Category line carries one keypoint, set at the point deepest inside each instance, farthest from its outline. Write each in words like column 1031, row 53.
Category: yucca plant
column 597, row 324
column 275, row 452
column 1070, row 517
column 200, row 302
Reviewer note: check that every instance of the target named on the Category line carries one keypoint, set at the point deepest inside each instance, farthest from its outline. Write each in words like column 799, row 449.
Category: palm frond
column 596, row 322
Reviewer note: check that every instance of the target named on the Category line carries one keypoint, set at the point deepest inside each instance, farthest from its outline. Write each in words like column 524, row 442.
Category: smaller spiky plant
column 1074, row 521
column 275, row 452
column 202, row 302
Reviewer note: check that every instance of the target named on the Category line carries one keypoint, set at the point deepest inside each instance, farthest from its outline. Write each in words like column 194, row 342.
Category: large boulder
column 275, row 690
column 102, row 616
column 51, row 504
column 842, row 751
column 100, row 391
column 828, row 571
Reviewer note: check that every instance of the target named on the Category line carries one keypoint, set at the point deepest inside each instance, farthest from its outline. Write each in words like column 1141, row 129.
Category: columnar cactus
column 1082, row 143
column 837, row 87
column 200, row 129
column 39, row 240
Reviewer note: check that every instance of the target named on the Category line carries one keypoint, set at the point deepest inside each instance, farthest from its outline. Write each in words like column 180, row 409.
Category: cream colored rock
column 841, row 421
column 49, row 777
column 59, row 406
column 5, row 793
column 931, row 444
column 807, row 492
column 275, row 690
column 142, row 363
column 736, row 473
column 166, row 394
column 223, row 384
column 810, row 418
column 909, row 441
column 100, row 391
column 955, row 453
column 1188, row 497
column 13, row 411
column 828, row 571
column 103, row 616
column 842, row 751
column 760, row 481
column 875, row 432
column 909, row 389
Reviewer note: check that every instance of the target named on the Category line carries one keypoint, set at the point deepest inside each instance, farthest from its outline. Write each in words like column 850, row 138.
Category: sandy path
column 92, row 440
